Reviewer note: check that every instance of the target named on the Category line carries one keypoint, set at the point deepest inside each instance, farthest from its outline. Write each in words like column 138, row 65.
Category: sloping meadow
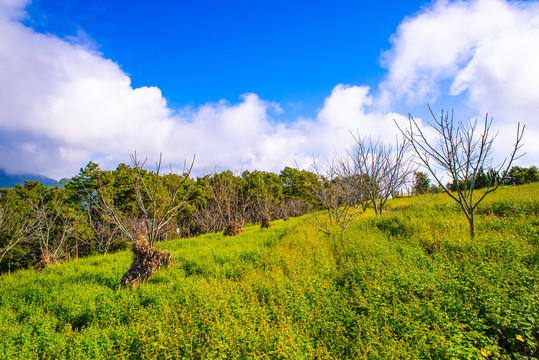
column 407, row 284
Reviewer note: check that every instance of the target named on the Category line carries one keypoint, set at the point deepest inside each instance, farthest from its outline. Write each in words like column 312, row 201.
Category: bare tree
column 54, row 224
column 15, row 223
column 381, row 170
column 105, row 231
column 103, row 201
column 337, row 191
column 206, row 220
column 92, row 191
column 264, row 191
column 225, row 194
column 293, row 207
column 229, row 201
column 370, row 173
column 159, row 202
column 352, row 185
column 461, row 150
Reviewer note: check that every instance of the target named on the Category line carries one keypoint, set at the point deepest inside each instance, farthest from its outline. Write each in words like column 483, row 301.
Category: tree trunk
column 472, row 225
column 147, row 260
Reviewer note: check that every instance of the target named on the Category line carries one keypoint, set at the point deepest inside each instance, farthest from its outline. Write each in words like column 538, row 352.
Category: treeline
column 99, row 211
column 517, row 175
column 42, row 225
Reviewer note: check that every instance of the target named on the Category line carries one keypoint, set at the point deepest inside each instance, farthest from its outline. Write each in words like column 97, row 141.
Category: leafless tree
column 336, row 190
column 353, row 184
column 370, row 173
column 229, row 201
column 159, row 203
column 206, row 220
column 159, row 208
column 226, row 198
column 15, row 225
column 103, row 201
column 293, row 207
column 159, row 200
column 381, row 170
column 262, row 205
column 106, row 233
column 54, row 224
column 264, row 197
column 460, row 150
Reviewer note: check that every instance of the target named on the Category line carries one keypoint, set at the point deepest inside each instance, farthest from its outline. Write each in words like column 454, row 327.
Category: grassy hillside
column 407, row 284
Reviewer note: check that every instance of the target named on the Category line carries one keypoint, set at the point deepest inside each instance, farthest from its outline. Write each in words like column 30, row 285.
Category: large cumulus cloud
column 63, row 104
column 483, row 52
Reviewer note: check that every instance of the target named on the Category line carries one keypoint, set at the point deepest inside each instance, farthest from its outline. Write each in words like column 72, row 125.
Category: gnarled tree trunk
column 147, row 260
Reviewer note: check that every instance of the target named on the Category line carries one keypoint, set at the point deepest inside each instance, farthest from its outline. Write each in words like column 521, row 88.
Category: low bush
column 394, row 226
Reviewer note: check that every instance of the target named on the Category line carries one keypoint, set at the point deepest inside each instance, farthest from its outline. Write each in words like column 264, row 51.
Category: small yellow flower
column 520, row 338
column 484, row 352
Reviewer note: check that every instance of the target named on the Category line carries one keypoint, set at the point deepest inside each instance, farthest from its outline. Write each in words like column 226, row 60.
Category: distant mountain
column 10, row 180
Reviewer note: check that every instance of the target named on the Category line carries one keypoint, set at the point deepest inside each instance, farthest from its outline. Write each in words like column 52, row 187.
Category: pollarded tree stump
column 147, row 260
column 46, row 260
column 265, row 223
column 233, row 228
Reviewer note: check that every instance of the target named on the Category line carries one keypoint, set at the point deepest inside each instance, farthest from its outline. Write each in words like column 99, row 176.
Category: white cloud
column 13, row 9
column 62, row 104
column 486, row 50
column 504, row 71
column 67, row 102
column 349, row 108
column 244, row 136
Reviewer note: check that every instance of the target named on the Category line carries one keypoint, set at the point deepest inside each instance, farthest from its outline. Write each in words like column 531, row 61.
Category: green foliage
column 519, row 175
column 481, row 180
column 421, row 183
column 406, row 284
column 199, row 206
column 297, row 183
column 394, row 226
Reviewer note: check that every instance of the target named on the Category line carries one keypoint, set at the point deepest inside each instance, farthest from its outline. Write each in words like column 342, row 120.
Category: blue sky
column 205, row 51
column 252, row 84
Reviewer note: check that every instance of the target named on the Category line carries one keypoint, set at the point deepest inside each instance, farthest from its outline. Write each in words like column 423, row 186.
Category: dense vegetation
column 409, row 283
column 42, row 225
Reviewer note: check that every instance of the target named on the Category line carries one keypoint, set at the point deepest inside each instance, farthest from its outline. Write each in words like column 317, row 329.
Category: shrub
column 394, row 226
column 233, row 228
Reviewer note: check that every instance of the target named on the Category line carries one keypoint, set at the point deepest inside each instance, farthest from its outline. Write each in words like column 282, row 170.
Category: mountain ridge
column 8, row 180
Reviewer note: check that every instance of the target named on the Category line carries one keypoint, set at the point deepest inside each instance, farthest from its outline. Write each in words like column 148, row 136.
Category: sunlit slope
column 407, row 284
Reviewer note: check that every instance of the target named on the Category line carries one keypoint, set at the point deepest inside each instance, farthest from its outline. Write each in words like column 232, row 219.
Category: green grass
column 408, row 284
